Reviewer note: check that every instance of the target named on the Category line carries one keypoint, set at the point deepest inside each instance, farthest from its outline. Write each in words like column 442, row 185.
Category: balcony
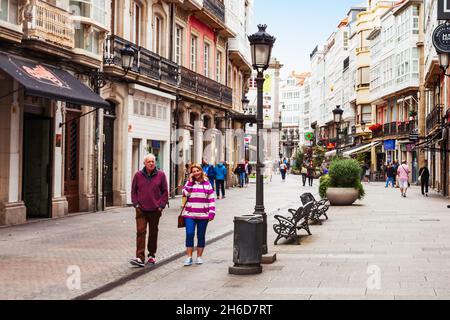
column 394, row 129
column 50, row 24
column 434, row 119
column 193, row 82
column 154, row 67
column 216, row 8
column 148, row 63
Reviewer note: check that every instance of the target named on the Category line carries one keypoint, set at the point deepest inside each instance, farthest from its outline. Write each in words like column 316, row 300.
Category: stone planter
column 342, row 196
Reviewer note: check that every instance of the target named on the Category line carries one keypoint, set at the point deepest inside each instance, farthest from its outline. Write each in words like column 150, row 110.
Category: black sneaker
column 137, row 262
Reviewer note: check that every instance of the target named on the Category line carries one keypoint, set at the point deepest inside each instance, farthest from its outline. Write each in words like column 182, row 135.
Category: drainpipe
column 172, row 21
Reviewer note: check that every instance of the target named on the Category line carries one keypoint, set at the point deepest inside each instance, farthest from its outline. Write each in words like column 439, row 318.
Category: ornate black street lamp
column 337, row 114
column 261, row 48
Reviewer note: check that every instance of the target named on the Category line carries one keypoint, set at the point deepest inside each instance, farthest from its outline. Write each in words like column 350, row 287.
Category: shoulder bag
column 181, row 222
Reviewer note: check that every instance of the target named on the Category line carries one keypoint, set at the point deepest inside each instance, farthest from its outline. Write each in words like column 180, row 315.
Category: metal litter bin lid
column 251, row 218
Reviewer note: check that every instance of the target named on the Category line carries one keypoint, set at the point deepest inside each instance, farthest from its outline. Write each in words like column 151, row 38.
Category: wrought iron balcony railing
column 146, row 63
column 434, row 118
column 151, row 65
column 216, row 7
column 196, row 83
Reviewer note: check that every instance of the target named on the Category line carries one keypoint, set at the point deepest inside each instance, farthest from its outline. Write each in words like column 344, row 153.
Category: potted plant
column 376, row 127
column 342, row 186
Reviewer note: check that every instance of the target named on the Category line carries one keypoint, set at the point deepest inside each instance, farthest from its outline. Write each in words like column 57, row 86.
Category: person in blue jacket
column 220, row 175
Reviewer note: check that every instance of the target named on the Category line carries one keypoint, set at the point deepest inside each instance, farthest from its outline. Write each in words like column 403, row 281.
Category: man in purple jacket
column 150, row 196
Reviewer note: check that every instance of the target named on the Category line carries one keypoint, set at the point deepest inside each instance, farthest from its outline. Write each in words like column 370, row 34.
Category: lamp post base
column 269, row 258
column 245, row 270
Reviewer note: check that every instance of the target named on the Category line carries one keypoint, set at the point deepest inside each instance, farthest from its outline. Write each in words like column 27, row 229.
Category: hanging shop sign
column 389, row 145
column 441, row 38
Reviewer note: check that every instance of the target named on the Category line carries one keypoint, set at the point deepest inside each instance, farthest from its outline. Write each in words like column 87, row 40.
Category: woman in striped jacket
column 200, row 210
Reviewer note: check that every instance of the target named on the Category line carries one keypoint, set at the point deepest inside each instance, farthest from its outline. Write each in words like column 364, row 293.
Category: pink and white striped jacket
column 201, row 201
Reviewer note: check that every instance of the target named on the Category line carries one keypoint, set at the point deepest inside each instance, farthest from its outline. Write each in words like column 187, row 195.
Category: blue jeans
column 213, row 183
column 242, row 179
column 201, row 232
column 390, row 179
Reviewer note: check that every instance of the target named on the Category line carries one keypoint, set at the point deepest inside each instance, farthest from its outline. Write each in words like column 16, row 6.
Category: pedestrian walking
column 311, row 173
column 390, row 174
column 247, row 172
column 304, row 173
column 395, row 166
column 221, row 175
column 283, row 171
column 367, row 173
column 150, row 196
column 185, row 180
column 424, row 177
column 403, row 178
column 240, row 173
column 200, row 210
column 211, row 173
column 324, row 167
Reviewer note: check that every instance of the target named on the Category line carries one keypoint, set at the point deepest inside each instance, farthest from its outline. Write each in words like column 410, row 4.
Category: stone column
column 60, row 206
column 86, row 174
column 198, row 141
column 12, row 208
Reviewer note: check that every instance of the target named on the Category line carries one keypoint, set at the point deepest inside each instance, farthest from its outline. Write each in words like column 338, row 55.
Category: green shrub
column 360, row 189
column 345, row 173
column 324, row 185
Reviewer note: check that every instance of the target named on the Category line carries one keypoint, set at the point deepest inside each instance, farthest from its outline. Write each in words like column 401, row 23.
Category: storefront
column 32, row 125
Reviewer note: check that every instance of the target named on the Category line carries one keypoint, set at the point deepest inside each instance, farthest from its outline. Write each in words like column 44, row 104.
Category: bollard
column 247, row 247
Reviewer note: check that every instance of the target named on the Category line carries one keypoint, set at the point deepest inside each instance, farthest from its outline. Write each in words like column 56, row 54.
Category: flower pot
column 342, row 196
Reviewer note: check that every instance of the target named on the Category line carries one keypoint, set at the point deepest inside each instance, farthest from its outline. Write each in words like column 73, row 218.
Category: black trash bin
column 247, row 248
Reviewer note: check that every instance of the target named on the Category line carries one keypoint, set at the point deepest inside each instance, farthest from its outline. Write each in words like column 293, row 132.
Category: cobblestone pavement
column 385, row 247
column 38, row 259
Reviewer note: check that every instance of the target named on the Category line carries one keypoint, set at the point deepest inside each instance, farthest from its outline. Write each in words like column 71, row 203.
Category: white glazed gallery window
column 158, row 35
column 99, row 11
column 86, row 40
column 207, row 55
column 178, row 44
column 9, row 11
column 136, row 23
column 194, row 47
column 219, row 66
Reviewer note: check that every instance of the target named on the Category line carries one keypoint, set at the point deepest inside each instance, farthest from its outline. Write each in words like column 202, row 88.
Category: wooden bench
column 319, row 209
column 288, row 227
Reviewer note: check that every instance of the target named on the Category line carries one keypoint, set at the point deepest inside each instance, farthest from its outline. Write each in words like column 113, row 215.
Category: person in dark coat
column 424, row 175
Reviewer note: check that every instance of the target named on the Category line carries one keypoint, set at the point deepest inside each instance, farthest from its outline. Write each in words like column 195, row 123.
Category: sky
column 299, row 25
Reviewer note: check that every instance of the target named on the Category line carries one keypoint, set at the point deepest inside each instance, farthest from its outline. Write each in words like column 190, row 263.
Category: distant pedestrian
column 283, row 171
column 395, row 166
column 390, row 174
column 403, row 178
column 367, row 173
column 311, row 173
column 324, row 167
column 211, row 173
column 200, row 210
column 221, row 175
column 304, row 174
column 424, row 177
column 240, row 173
column 150, row 196
column 185, row 180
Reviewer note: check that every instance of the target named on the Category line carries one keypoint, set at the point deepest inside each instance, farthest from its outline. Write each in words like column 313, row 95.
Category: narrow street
column 385, row 247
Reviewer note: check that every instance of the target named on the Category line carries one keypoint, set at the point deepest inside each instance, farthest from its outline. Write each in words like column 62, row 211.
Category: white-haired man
column 150, row 197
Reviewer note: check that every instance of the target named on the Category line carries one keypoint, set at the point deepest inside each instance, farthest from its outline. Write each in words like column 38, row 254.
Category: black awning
column 49, row 82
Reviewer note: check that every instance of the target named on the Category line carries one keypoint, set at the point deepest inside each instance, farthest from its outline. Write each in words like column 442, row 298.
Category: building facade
column 179, row 100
